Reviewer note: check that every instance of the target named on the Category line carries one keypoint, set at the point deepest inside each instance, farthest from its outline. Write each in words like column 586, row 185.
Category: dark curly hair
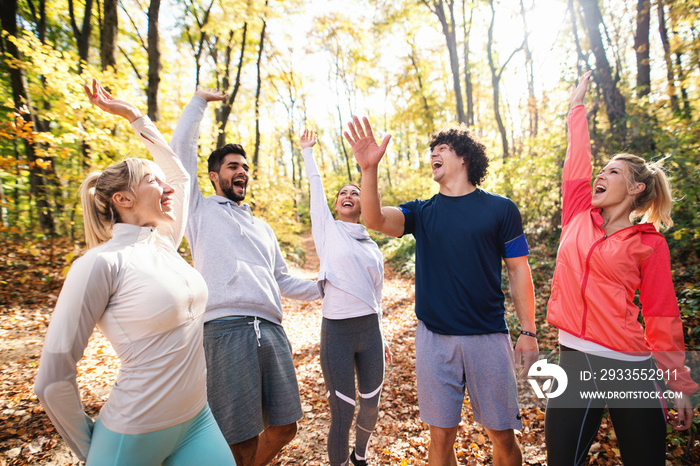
column 467, row 145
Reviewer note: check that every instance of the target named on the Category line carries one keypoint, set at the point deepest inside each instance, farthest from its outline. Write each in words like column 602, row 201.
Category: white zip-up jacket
column 350, row 259
column 149, row 303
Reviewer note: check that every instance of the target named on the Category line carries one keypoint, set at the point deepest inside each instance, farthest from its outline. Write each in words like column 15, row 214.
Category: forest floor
column 30, row 280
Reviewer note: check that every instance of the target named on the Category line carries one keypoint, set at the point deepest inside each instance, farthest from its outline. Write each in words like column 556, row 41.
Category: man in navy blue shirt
column 462, row 341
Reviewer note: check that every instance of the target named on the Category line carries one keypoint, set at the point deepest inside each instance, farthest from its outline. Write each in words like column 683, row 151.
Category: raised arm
column 576, row 188
column 368, row 154
column 320, row 213
column 186, row 135
column 164, row 157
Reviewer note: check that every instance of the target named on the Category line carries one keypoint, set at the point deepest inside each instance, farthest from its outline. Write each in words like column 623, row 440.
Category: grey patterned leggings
column 350, row 346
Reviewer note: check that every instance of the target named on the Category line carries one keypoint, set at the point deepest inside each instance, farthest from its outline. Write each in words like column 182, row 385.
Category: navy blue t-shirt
column 459, row 245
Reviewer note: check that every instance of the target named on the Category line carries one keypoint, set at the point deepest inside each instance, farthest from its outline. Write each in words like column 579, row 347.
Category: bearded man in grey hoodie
column 251, row 383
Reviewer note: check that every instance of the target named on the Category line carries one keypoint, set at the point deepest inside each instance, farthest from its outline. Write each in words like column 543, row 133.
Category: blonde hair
column 96, row 191
column 653, row 204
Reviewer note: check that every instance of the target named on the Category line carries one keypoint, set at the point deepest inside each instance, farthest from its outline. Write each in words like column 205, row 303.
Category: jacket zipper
column 584, row 284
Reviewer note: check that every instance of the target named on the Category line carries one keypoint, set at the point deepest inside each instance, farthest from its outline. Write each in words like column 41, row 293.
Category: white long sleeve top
column 237, row 253
column 150, row 304
column 352, row 268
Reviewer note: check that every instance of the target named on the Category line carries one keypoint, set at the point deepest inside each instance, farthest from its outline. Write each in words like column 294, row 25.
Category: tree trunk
column 670, row 75
column 448, row 29
column 496, row 80
column 641, row 47
column 224, row 110
column 684, row 104
column 257, row 102
column 614, row 101
column 82, row 35
column 342, row 139
column 154, row 65
column 531, row 99
column 198, row 48
column 468, row 87
column 21, row 98
column 413, row 56
column 110, row 31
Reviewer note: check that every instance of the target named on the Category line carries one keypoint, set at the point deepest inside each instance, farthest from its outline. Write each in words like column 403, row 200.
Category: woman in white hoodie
column 350, row 279
column 149, row 303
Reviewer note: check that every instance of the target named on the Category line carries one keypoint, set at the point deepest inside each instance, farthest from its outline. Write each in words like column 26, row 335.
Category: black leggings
column 572, row 422
column 349, row 346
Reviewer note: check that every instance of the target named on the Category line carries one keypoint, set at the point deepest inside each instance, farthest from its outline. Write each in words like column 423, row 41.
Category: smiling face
column 347, row 203
column 446, row 164
column 613, row 186
column 153, row 199
column 231, row 181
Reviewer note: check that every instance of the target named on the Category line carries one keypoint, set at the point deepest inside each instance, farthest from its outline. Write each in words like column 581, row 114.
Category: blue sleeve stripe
column 404, row 210
column 517, row 247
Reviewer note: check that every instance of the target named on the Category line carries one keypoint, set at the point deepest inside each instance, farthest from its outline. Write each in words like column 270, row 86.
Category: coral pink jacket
column 596, row 275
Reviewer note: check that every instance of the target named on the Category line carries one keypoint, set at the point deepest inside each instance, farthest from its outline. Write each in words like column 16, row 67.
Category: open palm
column 365, row 148
column 104, row 100
column 578, row 94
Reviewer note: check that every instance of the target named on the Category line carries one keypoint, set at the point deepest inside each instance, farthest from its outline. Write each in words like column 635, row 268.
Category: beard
column 227, row 188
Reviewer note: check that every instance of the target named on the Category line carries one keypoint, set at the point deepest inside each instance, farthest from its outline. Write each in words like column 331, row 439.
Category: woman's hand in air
column 308, row 139
column 104, row 100
column 578, row 94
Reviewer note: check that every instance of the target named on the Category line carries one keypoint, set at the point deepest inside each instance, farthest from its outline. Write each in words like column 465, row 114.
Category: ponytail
column 654, row 204
column 96, row 191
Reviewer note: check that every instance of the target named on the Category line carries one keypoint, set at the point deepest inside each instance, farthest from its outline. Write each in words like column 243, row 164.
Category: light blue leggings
column 197, row 441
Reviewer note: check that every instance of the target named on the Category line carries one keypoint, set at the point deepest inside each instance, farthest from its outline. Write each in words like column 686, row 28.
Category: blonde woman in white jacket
column 351, row 280
column 149, row 303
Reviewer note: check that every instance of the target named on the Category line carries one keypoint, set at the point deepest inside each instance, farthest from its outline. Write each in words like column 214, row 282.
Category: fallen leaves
column 28, row 437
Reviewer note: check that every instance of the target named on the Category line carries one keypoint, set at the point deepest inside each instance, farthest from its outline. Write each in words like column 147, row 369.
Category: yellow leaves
column 43, row 164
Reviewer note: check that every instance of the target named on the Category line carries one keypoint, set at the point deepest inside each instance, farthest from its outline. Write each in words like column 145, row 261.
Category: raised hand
column 365, row 148
column 210, row 94
column 100, row 97
column 578, row 92
column 308, row 139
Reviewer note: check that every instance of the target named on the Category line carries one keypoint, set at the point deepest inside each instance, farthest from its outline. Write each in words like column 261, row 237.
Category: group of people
column 207, row 375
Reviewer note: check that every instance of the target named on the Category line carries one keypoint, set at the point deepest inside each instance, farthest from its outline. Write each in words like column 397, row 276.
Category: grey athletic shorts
column 250, row 387
column 446, row 364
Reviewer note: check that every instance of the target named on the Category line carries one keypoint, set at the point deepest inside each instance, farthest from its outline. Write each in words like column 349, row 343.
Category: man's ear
column 123, row 199
column 214, row 177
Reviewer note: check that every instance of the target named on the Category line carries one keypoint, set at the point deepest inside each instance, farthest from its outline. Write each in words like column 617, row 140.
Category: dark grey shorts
column 251, row 383
column 484, row 364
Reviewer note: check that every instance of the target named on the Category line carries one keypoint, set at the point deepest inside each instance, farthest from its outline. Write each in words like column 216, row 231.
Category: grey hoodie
column 237, row 254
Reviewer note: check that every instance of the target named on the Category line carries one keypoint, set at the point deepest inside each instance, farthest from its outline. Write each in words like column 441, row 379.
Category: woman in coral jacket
column 603, row 259
column 149, row 302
